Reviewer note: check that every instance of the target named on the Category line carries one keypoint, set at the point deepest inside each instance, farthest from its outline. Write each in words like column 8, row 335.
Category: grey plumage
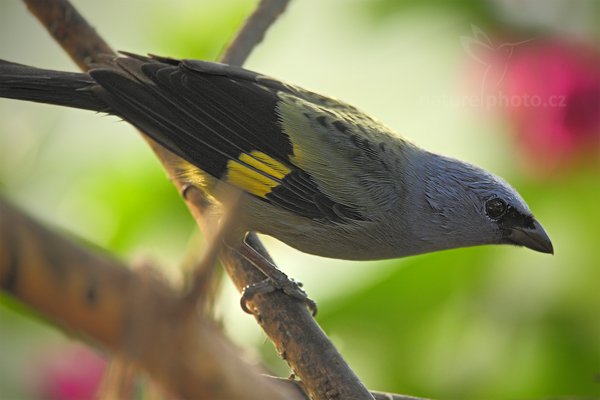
column 316, row 173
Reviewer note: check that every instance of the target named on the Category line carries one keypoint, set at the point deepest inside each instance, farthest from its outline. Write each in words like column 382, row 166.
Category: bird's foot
column 276, row 280
column 281, row 282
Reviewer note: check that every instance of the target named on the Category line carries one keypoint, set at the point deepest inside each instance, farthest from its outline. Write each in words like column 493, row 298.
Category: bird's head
column 470, row 206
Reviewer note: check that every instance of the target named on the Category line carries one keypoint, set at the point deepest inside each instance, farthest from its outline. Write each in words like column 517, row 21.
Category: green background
column 478, row 323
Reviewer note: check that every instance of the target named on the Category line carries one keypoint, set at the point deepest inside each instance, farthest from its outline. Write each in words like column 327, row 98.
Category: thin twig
column 204, row 269
column 253, row 31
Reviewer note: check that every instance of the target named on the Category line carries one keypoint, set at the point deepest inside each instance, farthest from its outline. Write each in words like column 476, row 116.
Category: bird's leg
column 276, row 280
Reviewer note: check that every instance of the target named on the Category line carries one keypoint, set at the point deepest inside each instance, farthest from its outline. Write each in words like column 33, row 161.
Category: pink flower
column 553, row 93
column 71, row 373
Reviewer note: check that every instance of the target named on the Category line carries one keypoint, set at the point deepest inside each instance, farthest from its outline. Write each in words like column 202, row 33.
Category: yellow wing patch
column 257, row 173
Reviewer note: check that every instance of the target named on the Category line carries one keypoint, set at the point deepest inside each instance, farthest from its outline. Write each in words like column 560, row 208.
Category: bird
column 314, row 172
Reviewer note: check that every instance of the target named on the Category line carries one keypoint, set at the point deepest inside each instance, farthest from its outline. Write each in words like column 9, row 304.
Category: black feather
column 206, row 113
column 68, row 89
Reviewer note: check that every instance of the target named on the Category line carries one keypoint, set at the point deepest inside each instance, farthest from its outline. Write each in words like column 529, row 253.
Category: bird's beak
column 534, row 238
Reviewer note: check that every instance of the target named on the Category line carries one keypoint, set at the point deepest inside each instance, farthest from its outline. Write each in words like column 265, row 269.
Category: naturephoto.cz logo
column 492, row 66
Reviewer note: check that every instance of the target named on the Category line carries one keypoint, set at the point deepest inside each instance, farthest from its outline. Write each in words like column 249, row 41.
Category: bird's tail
column 68, row 89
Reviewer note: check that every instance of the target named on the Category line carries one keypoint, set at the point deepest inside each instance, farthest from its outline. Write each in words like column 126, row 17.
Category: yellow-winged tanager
column 316, row 173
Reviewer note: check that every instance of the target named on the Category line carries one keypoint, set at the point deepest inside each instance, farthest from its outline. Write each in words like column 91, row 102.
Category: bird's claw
column 288, row 286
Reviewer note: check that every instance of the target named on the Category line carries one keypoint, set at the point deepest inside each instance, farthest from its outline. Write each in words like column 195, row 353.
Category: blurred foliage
column 477, row 10
column 201, row 32
column 137, row 200
column 483, row 12
column 479, row 323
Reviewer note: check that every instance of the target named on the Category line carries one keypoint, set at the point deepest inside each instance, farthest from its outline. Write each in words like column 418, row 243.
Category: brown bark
column 130, row 313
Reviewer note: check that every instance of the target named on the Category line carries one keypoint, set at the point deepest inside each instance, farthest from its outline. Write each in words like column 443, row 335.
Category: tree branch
column 298, row 388
column 76, row 36
column 135, row 314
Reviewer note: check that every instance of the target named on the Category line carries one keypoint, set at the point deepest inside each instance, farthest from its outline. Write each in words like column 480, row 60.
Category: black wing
column 220, row 119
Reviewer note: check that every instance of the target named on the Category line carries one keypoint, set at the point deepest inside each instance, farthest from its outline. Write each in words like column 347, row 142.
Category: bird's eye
column 495, row 208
